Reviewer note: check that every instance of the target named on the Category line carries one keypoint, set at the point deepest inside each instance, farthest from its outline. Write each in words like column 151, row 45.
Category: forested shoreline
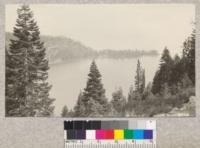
column 27, row 88
column 172, row 87
column 61, row 50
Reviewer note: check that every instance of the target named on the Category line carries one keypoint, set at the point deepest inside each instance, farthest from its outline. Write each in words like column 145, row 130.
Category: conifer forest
column 170, row 92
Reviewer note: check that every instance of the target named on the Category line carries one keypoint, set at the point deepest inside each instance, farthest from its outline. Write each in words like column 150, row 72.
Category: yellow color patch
column 118, row 134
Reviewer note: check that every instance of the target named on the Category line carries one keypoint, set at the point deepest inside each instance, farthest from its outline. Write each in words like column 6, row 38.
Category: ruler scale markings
column 106, row 134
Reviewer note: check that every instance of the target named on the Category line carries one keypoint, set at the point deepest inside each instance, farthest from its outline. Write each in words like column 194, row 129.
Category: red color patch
column 109, row 134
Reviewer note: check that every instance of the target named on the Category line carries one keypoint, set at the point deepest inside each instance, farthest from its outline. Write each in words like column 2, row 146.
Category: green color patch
column 128, row 134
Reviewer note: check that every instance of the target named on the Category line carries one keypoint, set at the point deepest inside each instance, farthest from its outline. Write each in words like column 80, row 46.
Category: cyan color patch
column 138, row 134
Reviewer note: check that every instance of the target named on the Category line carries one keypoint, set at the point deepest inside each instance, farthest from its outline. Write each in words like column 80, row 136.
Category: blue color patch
column 138, row 134
column 148, row 134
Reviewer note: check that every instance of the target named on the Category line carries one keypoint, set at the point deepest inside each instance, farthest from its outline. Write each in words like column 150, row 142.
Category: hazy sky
column 118, row 26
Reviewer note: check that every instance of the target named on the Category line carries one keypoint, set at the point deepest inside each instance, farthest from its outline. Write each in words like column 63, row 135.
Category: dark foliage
column 118, row 103
column 163, row 74
column 92, row 102
column 140, row 78
column 27, row 92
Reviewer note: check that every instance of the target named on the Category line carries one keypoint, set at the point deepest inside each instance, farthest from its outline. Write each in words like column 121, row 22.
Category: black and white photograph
column 100, row 60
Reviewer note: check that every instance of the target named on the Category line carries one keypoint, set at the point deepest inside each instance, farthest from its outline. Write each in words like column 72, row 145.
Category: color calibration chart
column 110, row 134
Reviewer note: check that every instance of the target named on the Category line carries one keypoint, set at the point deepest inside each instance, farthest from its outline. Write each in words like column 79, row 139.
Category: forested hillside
column 62, row 49
column 171, row 92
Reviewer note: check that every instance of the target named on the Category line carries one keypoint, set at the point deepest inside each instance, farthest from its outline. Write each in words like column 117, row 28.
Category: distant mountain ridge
column 63, row 49
column 126, row 53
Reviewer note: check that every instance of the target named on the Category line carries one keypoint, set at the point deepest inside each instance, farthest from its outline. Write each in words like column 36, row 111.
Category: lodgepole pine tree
column 94, row 93
column 27, row 90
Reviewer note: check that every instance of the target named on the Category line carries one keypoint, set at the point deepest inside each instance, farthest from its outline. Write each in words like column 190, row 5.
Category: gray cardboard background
column 48, row 132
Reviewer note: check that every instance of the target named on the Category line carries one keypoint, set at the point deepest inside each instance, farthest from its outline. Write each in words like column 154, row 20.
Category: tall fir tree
column 188, row 58
column 27, row 70
column 139, row 78
column 162, row 76
column 176, row 71
column 156, row 83
column 94, row 93
column 143, row 81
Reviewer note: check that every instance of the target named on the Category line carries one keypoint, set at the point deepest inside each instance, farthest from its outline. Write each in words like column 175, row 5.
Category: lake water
column 70, row 78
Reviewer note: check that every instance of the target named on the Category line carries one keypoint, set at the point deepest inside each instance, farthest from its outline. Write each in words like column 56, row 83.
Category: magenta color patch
column 100, row 134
